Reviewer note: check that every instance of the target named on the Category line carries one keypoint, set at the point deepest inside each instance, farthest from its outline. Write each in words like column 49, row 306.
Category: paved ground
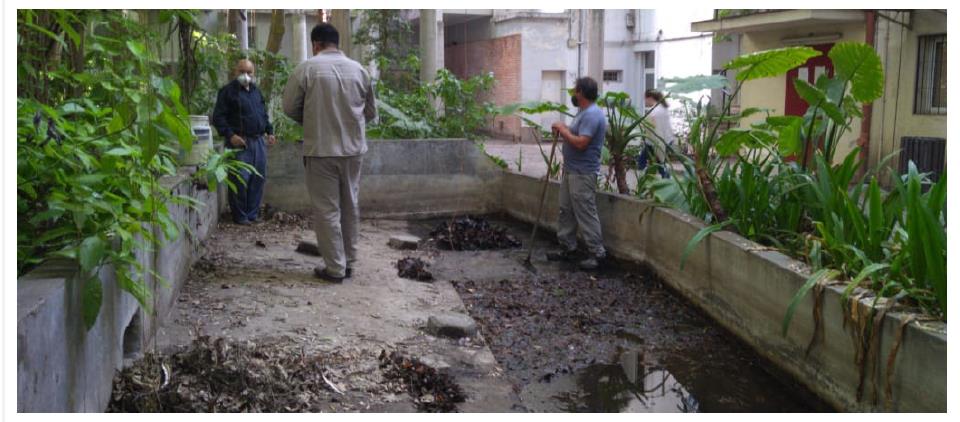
column 251, row 284
column 557, row 339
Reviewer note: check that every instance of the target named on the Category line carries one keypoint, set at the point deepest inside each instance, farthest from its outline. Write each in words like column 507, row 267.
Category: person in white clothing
column 663, row 131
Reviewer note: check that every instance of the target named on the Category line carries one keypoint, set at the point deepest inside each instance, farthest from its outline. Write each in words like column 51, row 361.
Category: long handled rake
column 543, row 196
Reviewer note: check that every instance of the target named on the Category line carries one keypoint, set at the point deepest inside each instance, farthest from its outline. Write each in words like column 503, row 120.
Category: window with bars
column 931, row 87
column 612, row 75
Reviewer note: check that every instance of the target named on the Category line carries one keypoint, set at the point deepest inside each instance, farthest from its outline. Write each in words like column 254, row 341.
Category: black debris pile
column 432, row 390
column 471, row 233
column 414, row 269
column 214, row 375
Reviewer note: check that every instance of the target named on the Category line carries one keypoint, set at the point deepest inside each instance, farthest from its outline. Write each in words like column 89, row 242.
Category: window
column 931, row 88
column 649, row 70
column 613, row 76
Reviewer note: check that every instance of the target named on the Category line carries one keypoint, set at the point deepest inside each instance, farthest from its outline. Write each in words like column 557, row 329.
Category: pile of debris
column 414, row 269
column 218, row 376
column 432, row 390
column 472, row 233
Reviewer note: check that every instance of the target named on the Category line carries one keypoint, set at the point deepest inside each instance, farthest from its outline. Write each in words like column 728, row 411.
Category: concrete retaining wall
column 399, row 178
column 747, row 289
column 63, row 367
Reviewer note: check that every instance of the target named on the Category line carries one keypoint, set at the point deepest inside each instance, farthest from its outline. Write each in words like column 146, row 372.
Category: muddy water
column 616, row 340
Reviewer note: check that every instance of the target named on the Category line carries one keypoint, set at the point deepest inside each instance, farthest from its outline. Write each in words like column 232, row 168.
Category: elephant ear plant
column 705, row 133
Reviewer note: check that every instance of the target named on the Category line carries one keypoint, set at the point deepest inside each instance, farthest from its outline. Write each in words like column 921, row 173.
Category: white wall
column 679, row 52
column 544, row 44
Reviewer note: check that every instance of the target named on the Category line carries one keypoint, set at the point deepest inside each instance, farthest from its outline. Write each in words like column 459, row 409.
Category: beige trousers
column 334, row 185
column 578, row 210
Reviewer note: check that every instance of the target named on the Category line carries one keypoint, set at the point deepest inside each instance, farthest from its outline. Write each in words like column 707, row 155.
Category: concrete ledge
column 746, row 288
column 399, row 179
column 63, row 367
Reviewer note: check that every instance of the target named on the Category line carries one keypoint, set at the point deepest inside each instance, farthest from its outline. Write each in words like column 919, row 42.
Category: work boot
column 325, row 276
column 562, row 255
column 591, row 263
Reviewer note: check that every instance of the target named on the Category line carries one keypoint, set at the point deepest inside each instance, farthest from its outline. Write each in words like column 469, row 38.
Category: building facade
column 911, row 45
column 537, row 55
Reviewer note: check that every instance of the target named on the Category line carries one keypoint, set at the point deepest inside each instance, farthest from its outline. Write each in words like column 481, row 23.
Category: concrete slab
column 403, row 242
column 451, row 324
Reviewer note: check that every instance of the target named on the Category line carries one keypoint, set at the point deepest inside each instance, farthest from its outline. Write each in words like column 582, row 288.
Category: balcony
column 740, row 21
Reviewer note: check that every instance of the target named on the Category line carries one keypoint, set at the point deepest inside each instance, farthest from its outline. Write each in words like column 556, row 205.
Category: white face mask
column 244, row 79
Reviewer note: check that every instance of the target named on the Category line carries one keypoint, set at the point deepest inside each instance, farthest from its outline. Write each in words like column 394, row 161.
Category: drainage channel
column 616, row 340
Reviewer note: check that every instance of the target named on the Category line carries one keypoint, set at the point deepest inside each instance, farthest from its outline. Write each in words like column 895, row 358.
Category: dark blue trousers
column 642, row 159
column 245, row 202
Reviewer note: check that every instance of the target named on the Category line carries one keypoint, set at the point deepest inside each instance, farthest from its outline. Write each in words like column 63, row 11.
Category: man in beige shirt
column 332, row 97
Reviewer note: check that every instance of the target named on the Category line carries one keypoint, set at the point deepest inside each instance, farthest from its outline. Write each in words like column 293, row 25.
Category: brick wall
column 500, row 56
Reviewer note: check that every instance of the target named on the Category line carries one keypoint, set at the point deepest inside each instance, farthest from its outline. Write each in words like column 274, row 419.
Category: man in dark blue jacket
column 240, row 116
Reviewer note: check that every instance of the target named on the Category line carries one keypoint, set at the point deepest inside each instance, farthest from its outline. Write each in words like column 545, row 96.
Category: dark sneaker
column 590, row 264
column 241, row 222
column 564, row 255
column 325, row 276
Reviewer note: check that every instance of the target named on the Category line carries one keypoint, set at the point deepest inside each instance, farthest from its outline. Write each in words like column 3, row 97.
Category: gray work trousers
column 578, row 209
column 334, row 184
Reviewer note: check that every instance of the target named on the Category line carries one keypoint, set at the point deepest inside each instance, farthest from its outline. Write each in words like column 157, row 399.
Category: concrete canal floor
column 555, row 340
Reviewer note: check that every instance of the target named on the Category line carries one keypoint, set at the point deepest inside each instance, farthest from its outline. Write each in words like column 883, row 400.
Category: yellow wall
column 770, row 93
column 893, row 115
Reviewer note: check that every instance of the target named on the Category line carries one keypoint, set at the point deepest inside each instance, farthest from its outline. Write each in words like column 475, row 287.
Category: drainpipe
column 580, row 44
column 870, row 17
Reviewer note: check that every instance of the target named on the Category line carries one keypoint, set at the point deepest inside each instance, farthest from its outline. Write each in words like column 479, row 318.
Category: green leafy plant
column 415, row 114
column 833, row 216
column 624, row 125
column 221, row 167
column 93, row 141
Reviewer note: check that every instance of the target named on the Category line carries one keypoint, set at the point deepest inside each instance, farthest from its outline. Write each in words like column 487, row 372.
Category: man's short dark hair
column 325, row 34
column 587, row 87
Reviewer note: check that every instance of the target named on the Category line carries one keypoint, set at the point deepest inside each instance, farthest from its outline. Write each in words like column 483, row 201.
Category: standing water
column 617, row 340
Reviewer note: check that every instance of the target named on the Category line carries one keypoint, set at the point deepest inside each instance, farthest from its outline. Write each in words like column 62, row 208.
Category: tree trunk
column 188, row 63
column 277, row 29
column 709, row 192
column 620, row 173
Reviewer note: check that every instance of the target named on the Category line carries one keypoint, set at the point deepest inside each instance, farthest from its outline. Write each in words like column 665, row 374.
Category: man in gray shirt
column 332, row 97
column 582, row 142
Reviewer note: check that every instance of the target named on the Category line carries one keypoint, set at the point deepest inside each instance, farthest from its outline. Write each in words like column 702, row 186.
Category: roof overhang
column 784, row 19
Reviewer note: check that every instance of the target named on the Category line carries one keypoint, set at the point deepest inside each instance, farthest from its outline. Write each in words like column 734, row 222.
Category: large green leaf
column 138, row 49
column 816, row 98
column 90, row 299
column 763, row 64
column 92, row 251
column 859, row 64
column 788, row 129
column 732, row 140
